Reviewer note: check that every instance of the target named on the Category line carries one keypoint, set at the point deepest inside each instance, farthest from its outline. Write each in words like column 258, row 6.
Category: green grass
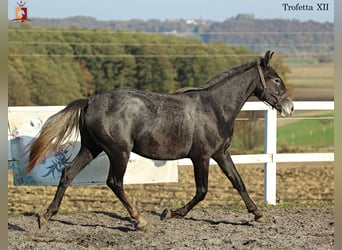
column 312, row 133
column 306, row 74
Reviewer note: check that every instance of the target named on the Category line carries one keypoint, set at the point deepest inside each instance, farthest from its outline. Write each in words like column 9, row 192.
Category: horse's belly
column 163, row 148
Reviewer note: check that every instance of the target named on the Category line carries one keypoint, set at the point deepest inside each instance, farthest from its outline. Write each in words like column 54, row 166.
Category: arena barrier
column 24, row 123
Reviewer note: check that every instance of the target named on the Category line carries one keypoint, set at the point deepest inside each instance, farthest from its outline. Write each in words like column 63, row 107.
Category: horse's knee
column 67, row 176
column 114, row 185
column 201, row 193
column 65, row 180
column 111, row 183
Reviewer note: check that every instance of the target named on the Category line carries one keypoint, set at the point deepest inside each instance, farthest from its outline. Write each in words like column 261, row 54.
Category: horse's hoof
column 41, row 221
column 142, row 226
column 260, row 219
column 166, row 214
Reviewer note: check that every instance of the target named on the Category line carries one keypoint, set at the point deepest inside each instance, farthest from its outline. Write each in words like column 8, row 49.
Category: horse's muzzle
column 286, row 107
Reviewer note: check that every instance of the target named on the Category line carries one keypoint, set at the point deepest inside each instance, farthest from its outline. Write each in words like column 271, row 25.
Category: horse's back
column 136, row 104
column 155, row 125
column 118, row 108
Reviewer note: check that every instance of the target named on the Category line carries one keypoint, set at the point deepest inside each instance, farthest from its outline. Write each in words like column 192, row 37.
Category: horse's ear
column 267, row 58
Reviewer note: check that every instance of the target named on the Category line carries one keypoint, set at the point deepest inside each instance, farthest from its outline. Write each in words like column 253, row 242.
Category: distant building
column 244, row 17
column 191, row 21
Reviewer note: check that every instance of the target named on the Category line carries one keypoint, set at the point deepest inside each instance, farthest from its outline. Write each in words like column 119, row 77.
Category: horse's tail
column 57, row 129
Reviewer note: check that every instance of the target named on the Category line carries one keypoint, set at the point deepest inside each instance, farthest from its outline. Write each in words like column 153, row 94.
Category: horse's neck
column 231, row 95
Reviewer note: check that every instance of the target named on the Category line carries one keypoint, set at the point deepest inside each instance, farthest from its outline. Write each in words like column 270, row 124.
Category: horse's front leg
column 226, row 164
column 201, row 169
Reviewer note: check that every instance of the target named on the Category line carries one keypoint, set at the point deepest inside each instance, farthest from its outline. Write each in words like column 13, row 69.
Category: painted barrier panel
column 24, row 124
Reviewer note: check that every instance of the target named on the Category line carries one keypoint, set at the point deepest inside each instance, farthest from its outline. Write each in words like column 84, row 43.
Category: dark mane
column 219, row 78
column 186, row 89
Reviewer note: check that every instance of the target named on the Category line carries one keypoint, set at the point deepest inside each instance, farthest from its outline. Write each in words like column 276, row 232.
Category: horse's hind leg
column 81, row 160
column 118, row 165
column 201, row 171
column 226, row 164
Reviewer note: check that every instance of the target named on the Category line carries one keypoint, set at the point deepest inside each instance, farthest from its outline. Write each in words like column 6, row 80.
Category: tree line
column 293, row 37
column 53, row 66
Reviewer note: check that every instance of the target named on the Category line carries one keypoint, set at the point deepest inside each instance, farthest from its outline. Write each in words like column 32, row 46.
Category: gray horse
column 195, row 123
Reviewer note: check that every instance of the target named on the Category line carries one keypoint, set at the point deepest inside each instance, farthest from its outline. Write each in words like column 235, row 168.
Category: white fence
column 270, row 157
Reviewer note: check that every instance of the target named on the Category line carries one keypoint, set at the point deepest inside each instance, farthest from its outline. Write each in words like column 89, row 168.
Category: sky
column 217, row 10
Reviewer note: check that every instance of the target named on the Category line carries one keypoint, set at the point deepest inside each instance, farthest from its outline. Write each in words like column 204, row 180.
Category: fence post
column 270, row 168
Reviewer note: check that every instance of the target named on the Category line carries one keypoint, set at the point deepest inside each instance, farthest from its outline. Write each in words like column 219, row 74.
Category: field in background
column 315, row 82
column 313, row 75
column 312, row 81
column 306, row 132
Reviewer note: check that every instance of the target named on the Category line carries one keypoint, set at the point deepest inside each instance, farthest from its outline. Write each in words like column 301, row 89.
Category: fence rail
column 270, row 157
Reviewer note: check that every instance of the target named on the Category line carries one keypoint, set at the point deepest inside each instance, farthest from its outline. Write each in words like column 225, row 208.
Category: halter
column 262, row 78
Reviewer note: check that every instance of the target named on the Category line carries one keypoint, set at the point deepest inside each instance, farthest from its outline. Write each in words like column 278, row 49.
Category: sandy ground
column 92, row 217
column 201, row 229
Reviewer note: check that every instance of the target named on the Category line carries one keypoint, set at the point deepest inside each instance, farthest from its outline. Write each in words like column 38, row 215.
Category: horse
column 194, row 122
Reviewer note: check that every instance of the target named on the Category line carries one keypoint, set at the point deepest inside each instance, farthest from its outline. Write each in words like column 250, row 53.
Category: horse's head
column 272, row 88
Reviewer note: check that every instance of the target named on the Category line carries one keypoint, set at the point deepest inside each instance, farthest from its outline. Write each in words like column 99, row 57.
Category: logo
column 21, row 13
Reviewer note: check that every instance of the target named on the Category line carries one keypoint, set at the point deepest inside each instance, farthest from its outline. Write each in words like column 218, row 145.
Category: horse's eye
column 277, row 81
